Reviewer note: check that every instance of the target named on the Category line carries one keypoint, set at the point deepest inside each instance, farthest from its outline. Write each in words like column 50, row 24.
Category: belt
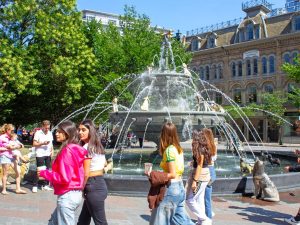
column 96, row 173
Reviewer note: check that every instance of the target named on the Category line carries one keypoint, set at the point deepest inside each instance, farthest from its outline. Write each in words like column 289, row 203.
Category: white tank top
column 97, row 162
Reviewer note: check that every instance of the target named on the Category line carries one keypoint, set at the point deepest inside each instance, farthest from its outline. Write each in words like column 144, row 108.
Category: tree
column 274, row 103
column 293, row 72
column 52, row 50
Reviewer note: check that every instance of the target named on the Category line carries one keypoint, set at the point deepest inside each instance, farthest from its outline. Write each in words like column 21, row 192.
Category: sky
column 176, row 14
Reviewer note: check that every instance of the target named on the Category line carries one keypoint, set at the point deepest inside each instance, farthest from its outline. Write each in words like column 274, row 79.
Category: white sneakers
column 47, row 188
column 44, row 188
column 34, row 189
column 292, row 221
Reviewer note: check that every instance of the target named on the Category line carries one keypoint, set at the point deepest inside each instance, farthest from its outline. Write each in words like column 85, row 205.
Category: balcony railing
column 253, row 3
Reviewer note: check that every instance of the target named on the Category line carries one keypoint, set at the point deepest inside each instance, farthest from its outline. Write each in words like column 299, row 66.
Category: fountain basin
column 192, row 119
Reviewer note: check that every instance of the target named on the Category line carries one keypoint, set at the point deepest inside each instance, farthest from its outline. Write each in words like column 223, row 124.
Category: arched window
column 207, row 73
column 219, row 98
column 252, row 95
column 286, row 58
column 201, row 73
column 269, row 88
column 233, row 72
column 248, row 63
column 212, row 40
column 255, row 68
column 240, row 68
column 237, row 95
column 249, row 31
column 215, row 72
column 294, row 57
column 257, row 32
column 264, row 68
column 220, row 71
column 271, row 64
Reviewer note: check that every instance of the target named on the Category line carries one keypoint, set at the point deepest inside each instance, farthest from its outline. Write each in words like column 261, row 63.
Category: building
column 107, row 18
column 243, row 59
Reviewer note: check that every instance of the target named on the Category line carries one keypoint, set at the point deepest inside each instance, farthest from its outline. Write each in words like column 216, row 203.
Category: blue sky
column 174, row 14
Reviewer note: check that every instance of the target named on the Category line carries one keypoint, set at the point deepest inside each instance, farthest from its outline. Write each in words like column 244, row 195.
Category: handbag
column 205, row 175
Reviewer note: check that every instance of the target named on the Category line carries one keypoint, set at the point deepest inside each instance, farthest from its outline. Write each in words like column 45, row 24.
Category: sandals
column 4, row 193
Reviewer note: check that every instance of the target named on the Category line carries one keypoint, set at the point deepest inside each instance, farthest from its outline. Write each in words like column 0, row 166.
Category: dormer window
column 211, row 40
column 250, row 32
column 196, row 44
column 296, row 23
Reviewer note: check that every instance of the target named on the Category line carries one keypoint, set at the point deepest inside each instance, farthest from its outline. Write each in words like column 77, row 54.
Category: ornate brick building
column 243, row 59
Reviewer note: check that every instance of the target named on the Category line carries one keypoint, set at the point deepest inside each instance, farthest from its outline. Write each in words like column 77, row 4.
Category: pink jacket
column 67, row 170
column 4, row 141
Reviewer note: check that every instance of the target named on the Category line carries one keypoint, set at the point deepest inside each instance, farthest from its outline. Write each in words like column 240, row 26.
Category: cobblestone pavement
column 35, row 209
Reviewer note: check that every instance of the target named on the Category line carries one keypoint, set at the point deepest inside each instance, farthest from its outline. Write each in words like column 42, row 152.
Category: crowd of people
column 76, row 174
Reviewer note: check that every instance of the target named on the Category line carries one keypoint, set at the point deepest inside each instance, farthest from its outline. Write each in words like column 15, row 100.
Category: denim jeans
column 64, row 213
column 95, row 193
column 171, row 210
column 208, row 192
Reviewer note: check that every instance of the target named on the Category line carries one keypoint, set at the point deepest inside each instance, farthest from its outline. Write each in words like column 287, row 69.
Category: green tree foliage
column 293, row 71
column 49, row 58
column 274, row 103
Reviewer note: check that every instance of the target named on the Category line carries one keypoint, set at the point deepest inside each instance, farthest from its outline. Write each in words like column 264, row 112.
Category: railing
column 213, row 27
column 253, row 3
column 277, row 12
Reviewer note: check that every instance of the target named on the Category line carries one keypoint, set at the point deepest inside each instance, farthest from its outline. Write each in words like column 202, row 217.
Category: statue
column 264, row 188
column 185, row 70
column 115, row 104
column 145, row 105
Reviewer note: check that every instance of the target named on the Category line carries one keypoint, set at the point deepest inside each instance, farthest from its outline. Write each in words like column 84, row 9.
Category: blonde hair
column 5, row 127
column 169, row 136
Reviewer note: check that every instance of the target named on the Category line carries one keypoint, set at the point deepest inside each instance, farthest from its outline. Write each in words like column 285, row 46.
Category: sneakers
column 292, row 221
column 34, row 189
column 47, row 188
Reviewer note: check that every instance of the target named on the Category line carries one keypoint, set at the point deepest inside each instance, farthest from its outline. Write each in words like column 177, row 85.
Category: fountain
column 163, row 93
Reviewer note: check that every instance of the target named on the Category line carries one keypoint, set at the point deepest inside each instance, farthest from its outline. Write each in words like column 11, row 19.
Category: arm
column 197, row 173
column 292, row 168
column 38, row 144
column 171, row 169
column 86, row 167
column 66, row 169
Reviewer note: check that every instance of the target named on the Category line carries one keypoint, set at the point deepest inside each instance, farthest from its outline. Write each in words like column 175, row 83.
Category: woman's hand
column 194, row 185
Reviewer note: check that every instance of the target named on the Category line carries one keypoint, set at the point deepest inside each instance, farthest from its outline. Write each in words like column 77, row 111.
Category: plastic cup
column 40, row 168
column 148, row 167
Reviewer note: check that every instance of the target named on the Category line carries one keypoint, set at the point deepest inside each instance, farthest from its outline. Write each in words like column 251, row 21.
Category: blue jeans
column 208, row 192
column 64, row 213
column 171, row 210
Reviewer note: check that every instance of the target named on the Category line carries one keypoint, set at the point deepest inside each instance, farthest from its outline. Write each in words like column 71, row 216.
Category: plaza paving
column 35, row 209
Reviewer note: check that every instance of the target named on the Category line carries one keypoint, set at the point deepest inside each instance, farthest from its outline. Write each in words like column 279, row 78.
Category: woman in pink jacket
column 67, row 175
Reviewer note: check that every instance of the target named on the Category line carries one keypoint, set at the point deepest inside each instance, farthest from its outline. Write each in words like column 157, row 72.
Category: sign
column 250, row 54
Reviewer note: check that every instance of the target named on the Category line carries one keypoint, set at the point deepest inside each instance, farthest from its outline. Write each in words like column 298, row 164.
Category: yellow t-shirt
column 171, row 154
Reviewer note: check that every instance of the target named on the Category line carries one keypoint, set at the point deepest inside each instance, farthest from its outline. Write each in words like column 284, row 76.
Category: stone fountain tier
column 139, row 120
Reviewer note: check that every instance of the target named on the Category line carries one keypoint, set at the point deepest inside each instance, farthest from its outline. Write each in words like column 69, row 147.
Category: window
column 237, row 95
column 269, row 88
column 112, row 22
column 294, row 57
column 296, row 23
column 215, row 72
column 257, row 32
column 233, row 73
column 248, row 63
column 219, row 98
column 249, row 31
column 252, row 95
column 241, row 36
column 271, row 64
column 211, row 40
column 195, row 45
column 207, row 73
column 220, row 71
column 90, row 18
column 255, row 70
column 286, row 58
column 201, row 73
column 240, row 68
column 264, row 65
